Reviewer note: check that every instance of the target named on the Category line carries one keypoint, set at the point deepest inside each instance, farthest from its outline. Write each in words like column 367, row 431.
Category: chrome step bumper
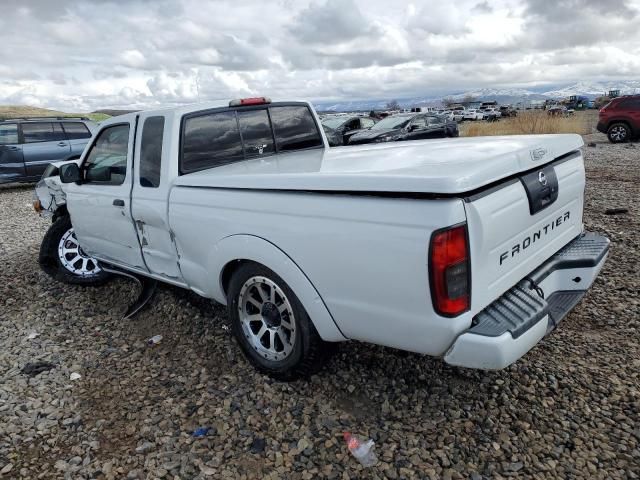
column 522, row 316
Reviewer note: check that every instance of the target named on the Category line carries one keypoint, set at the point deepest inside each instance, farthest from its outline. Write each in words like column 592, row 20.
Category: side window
column 294, row 128
column 106, row 162
column 255, row 129
column 76, row 130
column 151, row 151
column 209, row 141
column 366, row 123
column 418, row 122
column 8, row 133
column 434, row 121
column 42, row 132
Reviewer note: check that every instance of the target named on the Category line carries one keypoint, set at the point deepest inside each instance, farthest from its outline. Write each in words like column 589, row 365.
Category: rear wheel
column 618, row 133
column 271, row 325
column 62, row 257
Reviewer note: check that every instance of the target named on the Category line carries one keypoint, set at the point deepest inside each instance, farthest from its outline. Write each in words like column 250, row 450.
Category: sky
column 81, row 55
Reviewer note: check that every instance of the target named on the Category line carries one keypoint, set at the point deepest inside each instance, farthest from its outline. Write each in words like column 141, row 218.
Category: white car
column 493, row 111
column 467, row 249
column 473, row 114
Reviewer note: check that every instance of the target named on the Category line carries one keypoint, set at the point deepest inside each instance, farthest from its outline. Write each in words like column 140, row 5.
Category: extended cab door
column 100, row 206
column 150, row 195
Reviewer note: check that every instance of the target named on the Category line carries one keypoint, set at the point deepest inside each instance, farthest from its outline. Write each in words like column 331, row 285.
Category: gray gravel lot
column 569, row 409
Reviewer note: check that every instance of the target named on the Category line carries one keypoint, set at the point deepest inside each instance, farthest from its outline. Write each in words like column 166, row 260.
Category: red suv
column 620, row 119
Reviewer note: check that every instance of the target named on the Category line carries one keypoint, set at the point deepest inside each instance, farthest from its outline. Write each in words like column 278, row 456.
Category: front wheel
column 618, row 133
column 271, row 326
column 62, row 258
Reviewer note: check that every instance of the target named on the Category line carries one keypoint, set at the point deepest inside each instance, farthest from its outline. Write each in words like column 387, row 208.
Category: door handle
column 62, row 144
column 14, row 149
column 118, row 203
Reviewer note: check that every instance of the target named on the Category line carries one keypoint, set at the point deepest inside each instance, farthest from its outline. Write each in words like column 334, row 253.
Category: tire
column 618, row 133
column 58, row 261
column 281, row 340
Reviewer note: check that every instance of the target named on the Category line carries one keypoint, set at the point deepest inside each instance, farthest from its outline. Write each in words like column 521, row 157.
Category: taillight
column 450, row 271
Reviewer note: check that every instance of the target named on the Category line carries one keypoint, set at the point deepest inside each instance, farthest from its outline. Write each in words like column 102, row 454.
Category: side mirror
column 413, row 128
column 70, row 173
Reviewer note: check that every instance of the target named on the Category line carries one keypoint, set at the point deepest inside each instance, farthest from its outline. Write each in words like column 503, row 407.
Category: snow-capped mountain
column 493, row 92
column 505, row 95
column 595, row 89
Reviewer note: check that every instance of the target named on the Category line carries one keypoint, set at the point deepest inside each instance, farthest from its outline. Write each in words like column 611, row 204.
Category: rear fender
column 259, row 250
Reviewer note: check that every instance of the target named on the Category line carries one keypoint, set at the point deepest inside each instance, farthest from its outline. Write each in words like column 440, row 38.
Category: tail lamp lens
column 449, row 268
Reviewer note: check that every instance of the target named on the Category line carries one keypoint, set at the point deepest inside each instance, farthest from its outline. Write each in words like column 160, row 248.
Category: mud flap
column 147, row 289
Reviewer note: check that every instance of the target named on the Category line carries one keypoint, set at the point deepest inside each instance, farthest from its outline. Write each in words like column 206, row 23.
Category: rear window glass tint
column 151, row 151
column 210, row 140
column 256, row 133
column 42, row 132
column 294, row 128
column 76, row 130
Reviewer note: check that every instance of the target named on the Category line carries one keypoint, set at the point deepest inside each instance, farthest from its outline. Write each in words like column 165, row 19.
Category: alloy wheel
column 267, row 318
column 73, row 258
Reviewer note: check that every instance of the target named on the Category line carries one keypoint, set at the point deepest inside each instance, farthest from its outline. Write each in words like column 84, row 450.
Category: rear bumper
column 601, row 127
column 513, row 324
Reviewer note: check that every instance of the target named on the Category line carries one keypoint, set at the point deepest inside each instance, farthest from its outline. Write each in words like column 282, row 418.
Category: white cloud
column 87, row 54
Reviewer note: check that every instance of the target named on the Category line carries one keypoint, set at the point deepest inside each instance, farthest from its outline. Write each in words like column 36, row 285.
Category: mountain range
column 501, row 95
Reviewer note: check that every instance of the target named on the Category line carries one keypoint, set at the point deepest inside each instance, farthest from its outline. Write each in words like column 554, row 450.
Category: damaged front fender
column 49, row 196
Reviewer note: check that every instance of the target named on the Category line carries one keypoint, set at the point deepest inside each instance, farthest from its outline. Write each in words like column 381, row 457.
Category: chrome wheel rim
column 267, row 319
column 618, row 133
column 73, row 259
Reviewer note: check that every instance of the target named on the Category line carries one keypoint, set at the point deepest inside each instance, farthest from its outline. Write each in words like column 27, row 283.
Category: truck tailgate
column 509, row 238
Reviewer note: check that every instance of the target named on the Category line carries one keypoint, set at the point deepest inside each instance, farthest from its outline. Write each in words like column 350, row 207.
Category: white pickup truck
column 468, row 249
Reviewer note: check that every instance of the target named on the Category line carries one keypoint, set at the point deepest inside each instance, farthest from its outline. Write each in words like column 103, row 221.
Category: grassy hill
column 18, row 111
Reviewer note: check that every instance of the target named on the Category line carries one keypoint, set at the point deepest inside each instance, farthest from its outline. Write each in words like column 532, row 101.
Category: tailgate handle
column 541, row 187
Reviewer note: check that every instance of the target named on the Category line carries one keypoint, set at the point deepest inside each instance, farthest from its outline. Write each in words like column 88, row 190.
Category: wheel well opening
column 60, row 212
column 228, row 271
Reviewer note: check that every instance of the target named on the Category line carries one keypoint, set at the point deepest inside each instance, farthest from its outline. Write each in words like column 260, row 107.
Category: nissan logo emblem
column 542, row 178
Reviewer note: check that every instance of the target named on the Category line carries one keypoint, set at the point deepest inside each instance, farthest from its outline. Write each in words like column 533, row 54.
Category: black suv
column 28, row 145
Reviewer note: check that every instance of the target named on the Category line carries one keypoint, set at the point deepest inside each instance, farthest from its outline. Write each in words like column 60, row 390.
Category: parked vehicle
column 346, row 126
column 470, row 249
column 508, row 111
column 473, row 114
column 620, row 119
column 28, row 145
column 407, row 126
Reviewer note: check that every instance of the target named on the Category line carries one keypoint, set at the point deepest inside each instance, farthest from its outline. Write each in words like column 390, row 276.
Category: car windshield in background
column 399, row 121
column 333, row 122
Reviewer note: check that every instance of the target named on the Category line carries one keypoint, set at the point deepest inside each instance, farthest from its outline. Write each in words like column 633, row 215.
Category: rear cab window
column 211, row 139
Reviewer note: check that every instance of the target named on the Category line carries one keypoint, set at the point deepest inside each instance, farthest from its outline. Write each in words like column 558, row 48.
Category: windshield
column 399, row 121
column 332, row 122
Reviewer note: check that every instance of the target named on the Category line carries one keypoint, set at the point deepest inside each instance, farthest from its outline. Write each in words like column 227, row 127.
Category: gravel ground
column 568, row 409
